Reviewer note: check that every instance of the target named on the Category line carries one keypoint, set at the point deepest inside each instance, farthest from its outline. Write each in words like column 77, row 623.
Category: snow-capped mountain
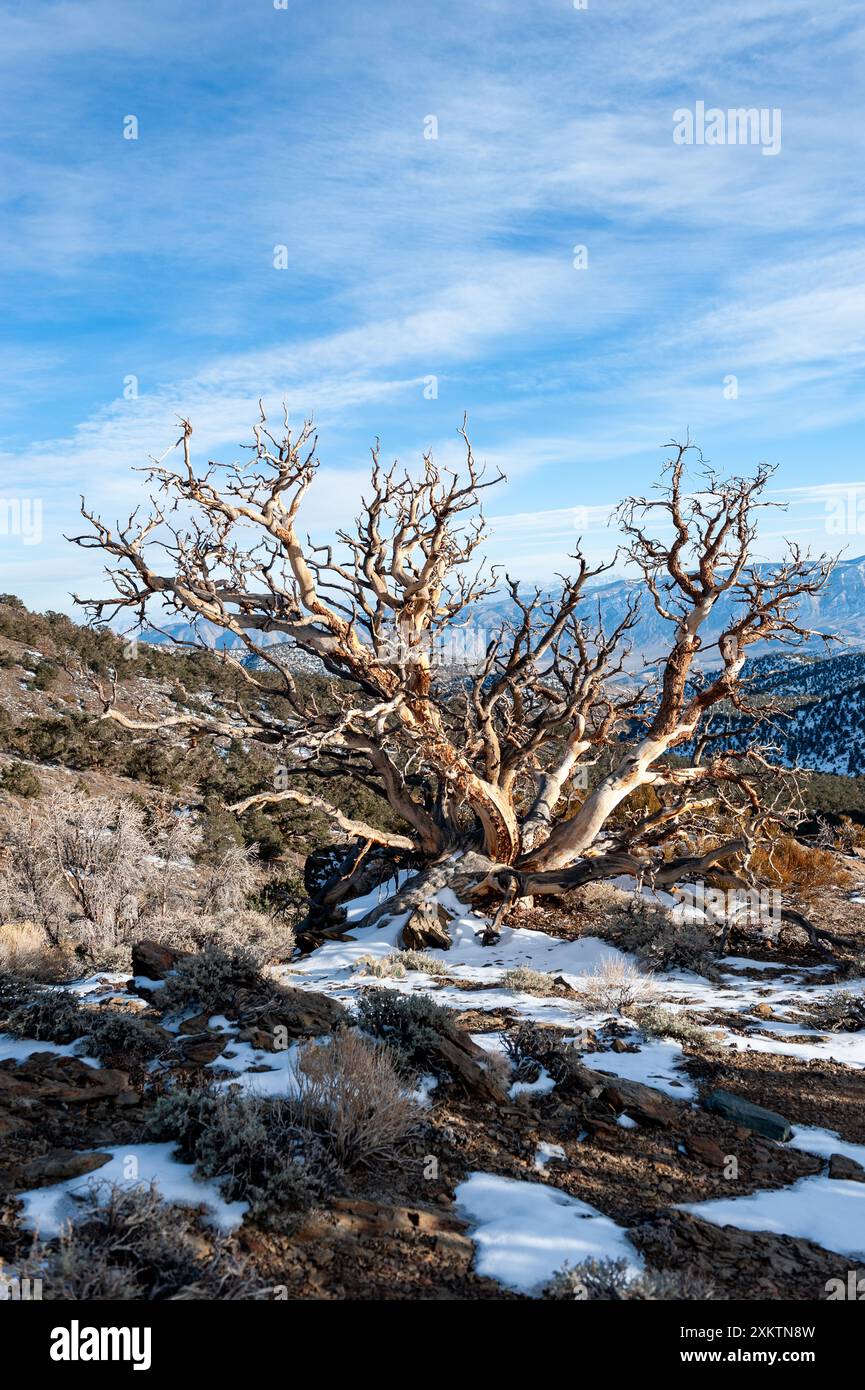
column 822, row 685
column 839, row 610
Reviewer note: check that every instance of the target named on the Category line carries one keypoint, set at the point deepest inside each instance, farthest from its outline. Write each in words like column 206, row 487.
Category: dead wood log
column 427, row 929
column 816, row 935
column 474, row 1068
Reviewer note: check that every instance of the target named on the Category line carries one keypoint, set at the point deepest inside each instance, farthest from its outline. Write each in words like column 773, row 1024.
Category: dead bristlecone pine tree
column 482, row 756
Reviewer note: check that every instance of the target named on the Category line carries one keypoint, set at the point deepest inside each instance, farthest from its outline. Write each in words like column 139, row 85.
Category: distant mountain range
column 823, row 687
column 838, row 610
column 823, row 727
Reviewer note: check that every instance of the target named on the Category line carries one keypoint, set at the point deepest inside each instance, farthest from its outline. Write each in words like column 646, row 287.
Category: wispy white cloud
column 413, row 258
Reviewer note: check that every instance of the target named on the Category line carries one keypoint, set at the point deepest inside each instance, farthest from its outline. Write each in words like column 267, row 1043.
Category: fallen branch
column 358, row 828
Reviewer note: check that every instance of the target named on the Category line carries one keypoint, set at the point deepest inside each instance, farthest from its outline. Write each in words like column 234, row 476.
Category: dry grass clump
column 614, row 986
column 128, row 1244
column 397, row 965
column 25, row 950
column 352, row 1094
column 657, row 1022
column 426, row 964
column 382, row 967
column 613, row 1281
column 797, row 868
column 842, row 1011
column 527, row 981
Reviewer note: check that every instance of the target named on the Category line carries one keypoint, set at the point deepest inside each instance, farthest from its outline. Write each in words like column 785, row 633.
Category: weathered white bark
column 551, row 785
column 575, row 836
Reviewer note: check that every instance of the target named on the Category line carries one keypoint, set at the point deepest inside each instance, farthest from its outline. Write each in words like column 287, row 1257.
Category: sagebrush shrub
column 842, row 1011
column 15, row 991
column 612, row 1281
column 659, row 941
column 527, row 981
column 533, row 1045
column 382, row 967
column 209, row 980
column 123, row 1037
column 50, row 1015
column 614, row 986
column 129, row 1244
column 658, row 1022
column 264, row 938
column 352, row 1094
column 251, row 1144
column 411, row 1023
column 20, row 780
column 289, row 1195
column 426, row 964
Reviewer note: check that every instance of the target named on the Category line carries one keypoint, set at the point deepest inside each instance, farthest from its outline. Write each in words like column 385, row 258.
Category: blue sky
column 409, row 257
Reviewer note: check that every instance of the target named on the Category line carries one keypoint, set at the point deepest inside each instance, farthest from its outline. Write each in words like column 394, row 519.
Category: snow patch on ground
column 525, row 1231
column 541, row 1086
column 277, row 1080
column 846, row 1048
column 422, row 1094
column 47, row 1209
column 545, row 1153
column 19, row 1049
column 468, row 959
column 108, row 984
column 788, row 996
column 658, row 1064
column 824, row 1143
column 827, row 1211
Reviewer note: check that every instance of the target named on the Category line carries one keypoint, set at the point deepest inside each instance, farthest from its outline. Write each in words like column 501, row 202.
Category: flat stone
column 301, row 1013
column 198, row 1024
column 154, row 962
column 844, row 1168
column 357, row 1219
column 707, row 1150
column 11, row 1124
column 257, row 1038
column 59, row 1165
column 200, row 1051
column 748, row 1115
column 44, row 1076
column 644, row 1104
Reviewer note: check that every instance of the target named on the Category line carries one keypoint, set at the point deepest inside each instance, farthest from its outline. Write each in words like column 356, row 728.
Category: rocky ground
column 707, row 1128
